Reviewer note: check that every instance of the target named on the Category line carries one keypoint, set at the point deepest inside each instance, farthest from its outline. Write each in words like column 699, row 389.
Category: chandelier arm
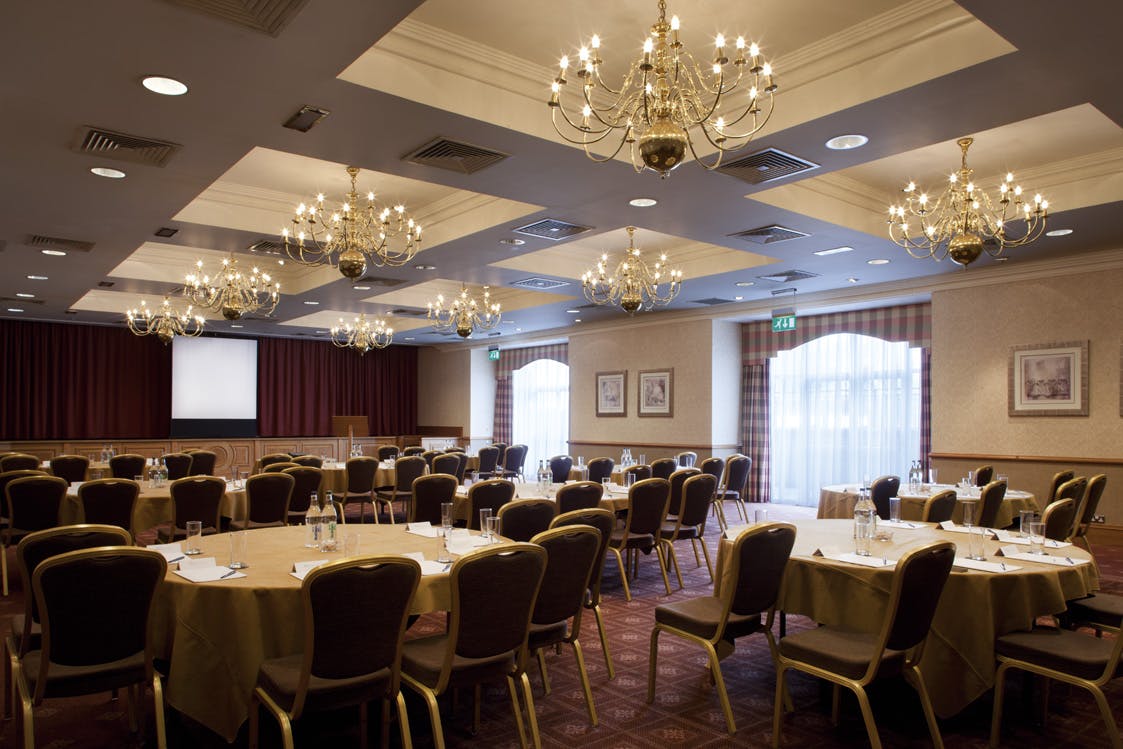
column 601, row 134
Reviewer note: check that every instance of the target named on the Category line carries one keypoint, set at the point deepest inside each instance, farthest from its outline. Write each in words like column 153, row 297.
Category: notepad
column 170, row 552
column 1057, row 560
column 428, row 566
column 205, row 571
column 904, row 524
column 949, row 525
column 1008, row 537
column 733, row 531
column 423, row 529
column 852, row 558
column 300, row 570
column 983, row 566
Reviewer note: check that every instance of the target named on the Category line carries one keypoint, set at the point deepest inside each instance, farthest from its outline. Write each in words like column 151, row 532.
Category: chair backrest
column 502, row 447
column 34, row 502
column 413, row 450
column 1059, row 478
column 662, row 468
column 600, row 469
column 605, row 523
column 70, row 467
column 462, row 467
column 446, row 463
column 493, row 493
column 647, row 506
column 197, row 498
column 759, row 557
column 1091, row 501
column 271, row 458
column 312, row 461
column 697, row 492
column 515, row 458
column 40, row 545
column 267, row 497
column 360, row 474
column 737, row 470
column 489, row 458
column 8, row 476
column 429, row 455
column 355, row 614
column 523, row 519
column 990, row 502
column 127, row 466
column 713, row 466
column 178, row 465
column 678, row 478
column 94, row 605
column 581, row 495
column 882, row 488
column 686, row 459
column 406, row 469
column 428, row 494
column 571, row 558
column 19, row 462
column 984, row 474
column 109, row 501
column 560, row 466
column 1058, row 518
column 306, row 479
column 202, row 462
column 939, row 507
column 387, row 452
column 918, row 582
column 1072, row 489
column 639, row 472
column 278, row 467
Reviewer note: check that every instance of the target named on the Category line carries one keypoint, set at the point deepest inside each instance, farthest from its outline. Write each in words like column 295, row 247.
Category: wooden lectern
column 350, row 427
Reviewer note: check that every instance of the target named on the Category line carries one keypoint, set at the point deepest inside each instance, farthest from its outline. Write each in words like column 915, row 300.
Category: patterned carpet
column 686, row 712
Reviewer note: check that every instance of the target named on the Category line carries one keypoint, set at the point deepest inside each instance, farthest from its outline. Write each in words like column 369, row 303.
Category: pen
column 1003, row 566
column 231, row 573
column 447, row 566
column 175, row 560
column 1069, row 560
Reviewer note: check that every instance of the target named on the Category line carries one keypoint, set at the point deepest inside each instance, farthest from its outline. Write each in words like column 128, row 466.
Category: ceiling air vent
column 454, row 156
column 122, row 147
column 266, row 16
column 58, row 243
column 788, row 276
column 540, row 284
column 106, row 284
column 552, row 229
column 21, row 301
column 769, row 234
column 166, row 231
column 711, row 301
column 306, row 118
column 408, row 312
column 765, row 166
column 376, row 281
column 268, row 247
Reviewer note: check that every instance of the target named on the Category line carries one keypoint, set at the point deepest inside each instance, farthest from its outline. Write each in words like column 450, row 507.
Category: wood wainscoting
column 590, row 449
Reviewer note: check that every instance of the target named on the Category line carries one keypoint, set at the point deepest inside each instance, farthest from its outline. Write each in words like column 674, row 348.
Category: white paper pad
column 462, row 545
column 1007, row 537
column 300, row 570
column 423, row 529
column 205, row 571
column 905, row 524
column 1057, row 560
column 949, row 525
column 975, row 564
column 852, row 558
column 733, row 531
column 171, row 552
column 428, row 566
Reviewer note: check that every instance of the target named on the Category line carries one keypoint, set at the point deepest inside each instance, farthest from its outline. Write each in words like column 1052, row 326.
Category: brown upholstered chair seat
column 422, row 659
column 841, row 652
column 1103, row 609
column 642, row 541
column 279, row 678
column 702, row 616
column 68, row 681
column 686, row 531
column 1059, row 649
column 544, row 635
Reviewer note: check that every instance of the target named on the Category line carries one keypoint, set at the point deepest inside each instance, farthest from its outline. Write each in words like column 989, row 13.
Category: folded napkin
column 205, row 571
column 949, row 525
column 1013, row 552
column 171, row 552
column 300, row 570
column 975, row 564
column 899, row 524
column 852, row 558
column 1007, row 537
column 423, row 529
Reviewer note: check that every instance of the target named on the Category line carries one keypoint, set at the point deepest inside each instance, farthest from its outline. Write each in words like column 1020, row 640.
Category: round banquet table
column 216, row 635
column 153, row 506
column 615, row 497
column 975, row 607
column 838, row 500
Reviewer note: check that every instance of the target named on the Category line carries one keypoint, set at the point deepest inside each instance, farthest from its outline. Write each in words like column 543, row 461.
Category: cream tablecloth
column 153, row 506
column 614, row 499
column 958, row 663
column 216, row 635
column 837, row 501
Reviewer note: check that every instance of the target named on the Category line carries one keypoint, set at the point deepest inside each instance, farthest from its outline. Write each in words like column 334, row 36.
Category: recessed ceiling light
column 54, row 253
column 518, row 330
column 574, row 311
column 738, row 298
column 423, row 266
column 1058, row 233
column 642, row 202
column 312, row 304
column 877, row 261
column 14, row 309
column 745, row 284
column 36, row 278
column 577, row 319
column 409, row 338
column 833, row 251
column 852, row 280
column 159, row 84
column 513, row 242
column 320, row 331
column 361, row 288
column 280, row 262
column 237, row 326
column 104, row 171
column 21, row 295
column 846, row 142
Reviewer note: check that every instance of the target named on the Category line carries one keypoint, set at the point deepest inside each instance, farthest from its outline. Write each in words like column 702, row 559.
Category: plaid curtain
column 755, row 418
column 503, row 402
column 510, row 360
column 925, row 407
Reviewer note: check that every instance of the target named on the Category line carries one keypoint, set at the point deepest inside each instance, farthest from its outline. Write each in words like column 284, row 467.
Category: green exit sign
column 783, row 323
column 493, row 353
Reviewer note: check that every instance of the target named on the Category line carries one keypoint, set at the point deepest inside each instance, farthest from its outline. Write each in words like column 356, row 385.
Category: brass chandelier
column 964, row 222
column 165, row 324
column 634, row 284
column 232, row 292
column 352, row 236
column 464, row 314
column 362, row 334
column 665, row 95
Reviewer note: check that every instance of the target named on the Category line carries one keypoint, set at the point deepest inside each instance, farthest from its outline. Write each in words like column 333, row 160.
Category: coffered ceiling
column 1036, row 87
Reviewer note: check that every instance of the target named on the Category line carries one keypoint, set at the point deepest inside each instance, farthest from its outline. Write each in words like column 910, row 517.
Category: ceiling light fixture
column 36, row 278
column 351, row 236
column 834, row 251
column 163, row 85
column 745, row 284
column 362, row 334
column 634, row 284
column 464, row 314
column 1058, row 233
column 312, row 304
column 237, row 326
column 846, row 142
column 423, row 266
column 22, row 295
column 963, row 222
column 104, row 171
column 513, row 242
column 165, row 324
column 14, row 309
column 643, row 202
column 877, row 261
column 852, row 280
column 664, row 96
column 232, row 292
column 54, row 253
column 360, row 288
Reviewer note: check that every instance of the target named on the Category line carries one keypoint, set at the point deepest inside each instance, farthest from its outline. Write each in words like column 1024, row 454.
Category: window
column 540, row 411
column 843, row 408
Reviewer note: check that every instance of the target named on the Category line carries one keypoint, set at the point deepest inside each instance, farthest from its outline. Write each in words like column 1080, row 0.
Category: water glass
column 975, row 538
column 581, row 461
column 760, row 515
column 239, row 545
column 446, row 515
column 351, row 545
column 139, row 480
column 629, row 479
column 1037, row 537
column 485, row 518
column 894, row 509
column 968, row 511
column 491, row 529
column 642, row 459
column 970, row 478
column 194, row 534
column 1025, row 517
column 932, row 473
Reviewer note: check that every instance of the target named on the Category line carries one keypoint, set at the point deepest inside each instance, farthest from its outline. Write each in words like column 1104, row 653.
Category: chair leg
column 694, row 548
column 403, row 722
column 663, row 568
column 434, row 711
column 477, row 702
column 672, row 557
column 4, row 568
column 744, row 511
column 26, row 713
column 917, row 678
column 777, row 709
column 542, row 668
column 158, row 705
column 867, row 716
column 720, row 512
column 706, row 556
column 836, row 703
column 722, row 694
column 1108, row 718
column 364, row 723
column 604, row 643
column 281, row 716
column 585, row 683
column 996, row 713
column 623, row 574
column 531, row 716
column 652, row 664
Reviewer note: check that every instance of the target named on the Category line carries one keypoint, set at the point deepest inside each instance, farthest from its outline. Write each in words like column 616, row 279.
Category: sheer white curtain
column 540, row 411
column 843, row 407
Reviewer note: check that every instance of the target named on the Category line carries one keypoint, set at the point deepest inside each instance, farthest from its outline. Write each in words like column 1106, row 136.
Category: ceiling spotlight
column 745, row 284
column 21, row 295
column 163, row 85
column 312, row 304
column 846, row 142
column 237, row 326
column 574, row 311
column 877, row 261
column 642, row 202
column 851, row 280
column 1058, row 233
column 738, row 298
column 36, row 278
column 14, row 309
column 409, row 338
column 513, row 242
column 361, row 288
column 577, row 319
column 422, row 266
column 104, row 171
column 834, row 251
column 54, row 253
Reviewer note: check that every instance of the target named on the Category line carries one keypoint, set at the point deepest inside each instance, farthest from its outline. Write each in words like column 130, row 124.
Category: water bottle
column 545, row 477
column 312, row 523
column 865, row 523
column 328, row 522
column 162, row 473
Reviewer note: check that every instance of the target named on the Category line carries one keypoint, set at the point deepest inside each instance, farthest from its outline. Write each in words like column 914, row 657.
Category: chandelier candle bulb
column 464, row 314
column 165, row 324
column 362, row 334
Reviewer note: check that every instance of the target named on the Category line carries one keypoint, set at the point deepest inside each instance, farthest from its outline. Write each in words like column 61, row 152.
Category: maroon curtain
column 64, row 381
column 302, row 384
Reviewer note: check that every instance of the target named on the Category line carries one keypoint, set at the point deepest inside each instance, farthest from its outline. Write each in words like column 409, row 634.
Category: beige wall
column 443, row 388
column 726, row 385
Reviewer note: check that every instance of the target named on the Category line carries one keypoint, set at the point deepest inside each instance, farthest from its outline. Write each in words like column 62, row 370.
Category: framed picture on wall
column 656, row 392
column 612, row 393
column 1049, row 379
